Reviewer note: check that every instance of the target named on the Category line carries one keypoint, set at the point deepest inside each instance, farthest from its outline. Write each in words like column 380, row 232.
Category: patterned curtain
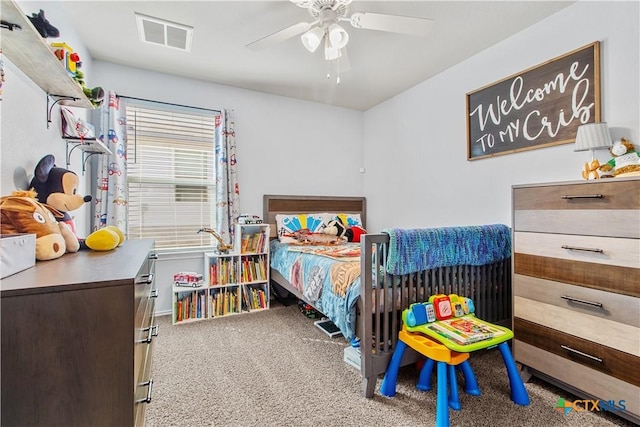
column 110, row 206
column 227, row 189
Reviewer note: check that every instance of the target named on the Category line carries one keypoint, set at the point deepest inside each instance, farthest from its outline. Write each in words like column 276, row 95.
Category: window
column 170, row 174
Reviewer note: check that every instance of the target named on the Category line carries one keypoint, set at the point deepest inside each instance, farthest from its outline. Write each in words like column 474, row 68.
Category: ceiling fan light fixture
column 331, row 52
column 338, row 36
column 311, row 39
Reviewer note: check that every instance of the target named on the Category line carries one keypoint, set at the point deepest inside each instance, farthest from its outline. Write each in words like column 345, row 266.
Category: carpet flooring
column 275, row 368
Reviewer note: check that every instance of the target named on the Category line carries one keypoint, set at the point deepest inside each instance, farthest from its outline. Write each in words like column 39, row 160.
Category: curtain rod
column 167, row 103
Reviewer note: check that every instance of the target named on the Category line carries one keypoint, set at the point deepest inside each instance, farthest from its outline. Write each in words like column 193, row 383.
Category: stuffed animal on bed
column 350, row 234
column 22, row 213
column 58, row 188
column 625, row 158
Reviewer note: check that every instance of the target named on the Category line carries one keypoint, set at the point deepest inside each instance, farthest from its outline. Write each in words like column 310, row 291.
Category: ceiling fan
column 327, row 14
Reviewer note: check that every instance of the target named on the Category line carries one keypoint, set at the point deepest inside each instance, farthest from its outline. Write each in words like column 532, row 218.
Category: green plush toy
column 95, row 95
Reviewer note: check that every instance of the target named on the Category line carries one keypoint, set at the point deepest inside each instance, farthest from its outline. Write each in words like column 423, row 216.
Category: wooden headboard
column 273, row 205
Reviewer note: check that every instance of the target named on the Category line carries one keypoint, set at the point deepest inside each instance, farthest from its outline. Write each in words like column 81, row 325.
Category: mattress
column 327, row 276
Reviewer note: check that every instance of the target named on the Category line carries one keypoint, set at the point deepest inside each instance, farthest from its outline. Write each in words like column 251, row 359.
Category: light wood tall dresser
column 77, row 339
column 576, row 288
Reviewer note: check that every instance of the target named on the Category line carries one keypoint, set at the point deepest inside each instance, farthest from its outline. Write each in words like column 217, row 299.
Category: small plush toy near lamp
column 590, row 137
column 625, row 161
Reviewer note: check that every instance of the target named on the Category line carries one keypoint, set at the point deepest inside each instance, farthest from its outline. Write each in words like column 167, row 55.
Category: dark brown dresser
column 576, row 288
column 77, row 339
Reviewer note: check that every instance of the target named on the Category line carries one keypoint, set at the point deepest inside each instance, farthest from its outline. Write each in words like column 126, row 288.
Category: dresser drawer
column 144, row 384
column 604, row 359
column 590, row 381
column 612, row 223
column 600, row 250
column 593, row 195
column 622, row 280
column 602, row 208
column 621, row 336
column 606, row 305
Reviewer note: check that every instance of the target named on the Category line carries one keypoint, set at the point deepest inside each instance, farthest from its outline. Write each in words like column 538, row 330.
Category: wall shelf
column 29, row 51
column 88, row 147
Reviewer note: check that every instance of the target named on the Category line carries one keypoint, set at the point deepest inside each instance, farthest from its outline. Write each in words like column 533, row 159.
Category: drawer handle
column 154, row 293
column 583, row 196
column 148, row 384
column 153, row 256
column 573, row 350
column 152, row 331
column 581, row 301
column 146, row 279
column 576, row 248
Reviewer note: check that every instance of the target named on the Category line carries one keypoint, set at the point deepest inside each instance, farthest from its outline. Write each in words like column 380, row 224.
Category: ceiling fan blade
column 305, row 4
column 280, row 36
column 392, row 23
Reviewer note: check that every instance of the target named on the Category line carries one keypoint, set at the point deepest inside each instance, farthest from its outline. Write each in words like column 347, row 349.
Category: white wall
column 284, row 145
column 417, row 173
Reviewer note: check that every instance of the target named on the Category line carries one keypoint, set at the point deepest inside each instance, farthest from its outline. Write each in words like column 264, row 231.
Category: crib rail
column 385, row 296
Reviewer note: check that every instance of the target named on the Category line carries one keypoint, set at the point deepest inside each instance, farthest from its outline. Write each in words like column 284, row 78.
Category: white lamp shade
column 338, row 36
column 592, row 136
column 312, row 38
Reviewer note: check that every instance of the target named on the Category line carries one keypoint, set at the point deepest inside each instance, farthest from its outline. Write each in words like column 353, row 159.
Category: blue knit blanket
column 412, row 250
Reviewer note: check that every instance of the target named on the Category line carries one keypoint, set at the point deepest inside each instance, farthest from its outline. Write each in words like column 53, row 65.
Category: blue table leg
column 388, row 386
column 454, row 399
column 470, row 382
column 518, row 393
column 424, row 380
column 442, row 408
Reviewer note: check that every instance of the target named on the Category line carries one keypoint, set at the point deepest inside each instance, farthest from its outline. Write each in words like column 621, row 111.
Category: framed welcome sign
column 539, row 107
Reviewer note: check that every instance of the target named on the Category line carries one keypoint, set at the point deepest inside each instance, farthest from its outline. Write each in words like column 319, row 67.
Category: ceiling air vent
column 165, row 33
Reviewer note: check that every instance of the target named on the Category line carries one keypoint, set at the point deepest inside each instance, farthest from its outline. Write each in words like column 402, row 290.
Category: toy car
column 249, row 219
column 190, row 279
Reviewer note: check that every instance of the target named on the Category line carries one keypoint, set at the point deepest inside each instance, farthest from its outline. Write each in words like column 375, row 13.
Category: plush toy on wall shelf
column 43, row 26
column 72, row 63
column 625, row 161
column 22, row 213
column 95, row 95
column 58, row 188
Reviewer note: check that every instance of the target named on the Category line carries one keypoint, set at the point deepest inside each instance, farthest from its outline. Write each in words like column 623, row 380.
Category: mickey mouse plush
column 58, row 188
column 337, row 228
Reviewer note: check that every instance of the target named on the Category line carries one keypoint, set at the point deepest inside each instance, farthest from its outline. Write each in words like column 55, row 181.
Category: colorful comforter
column 327, row 276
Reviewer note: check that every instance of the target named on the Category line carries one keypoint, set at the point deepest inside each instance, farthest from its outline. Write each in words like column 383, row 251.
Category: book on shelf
column 253, row 243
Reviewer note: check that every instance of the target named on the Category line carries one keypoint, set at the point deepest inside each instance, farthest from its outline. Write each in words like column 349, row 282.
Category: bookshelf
column 234, row 283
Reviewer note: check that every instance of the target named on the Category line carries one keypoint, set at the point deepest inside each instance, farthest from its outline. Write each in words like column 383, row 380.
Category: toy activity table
column 447, row 344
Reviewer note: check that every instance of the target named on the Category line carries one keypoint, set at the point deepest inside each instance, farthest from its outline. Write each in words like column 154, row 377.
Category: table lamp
column 592, row 136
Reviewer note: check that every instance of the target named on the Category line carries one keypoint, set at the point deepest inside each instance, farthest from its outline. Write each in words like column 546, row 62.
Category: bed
column 370, row 307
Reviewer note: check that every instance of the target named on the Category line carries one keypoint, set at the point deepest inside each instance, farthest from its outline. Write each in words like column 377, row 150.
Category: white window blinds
column 170, row 174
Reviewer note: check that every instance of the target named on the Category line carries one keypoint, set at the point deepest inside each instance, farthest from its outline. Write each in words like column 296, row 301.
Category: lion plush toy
column 22, row 213
column 625, row 159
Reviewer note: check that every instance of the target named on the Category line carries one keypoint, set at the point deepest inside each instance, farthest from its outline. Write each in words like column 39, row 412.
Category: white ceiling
column 382, row 64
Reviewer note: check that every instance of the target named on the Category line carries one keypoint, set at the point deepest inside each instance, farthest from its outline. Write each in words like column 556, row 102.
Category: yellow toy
column 69, row 58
